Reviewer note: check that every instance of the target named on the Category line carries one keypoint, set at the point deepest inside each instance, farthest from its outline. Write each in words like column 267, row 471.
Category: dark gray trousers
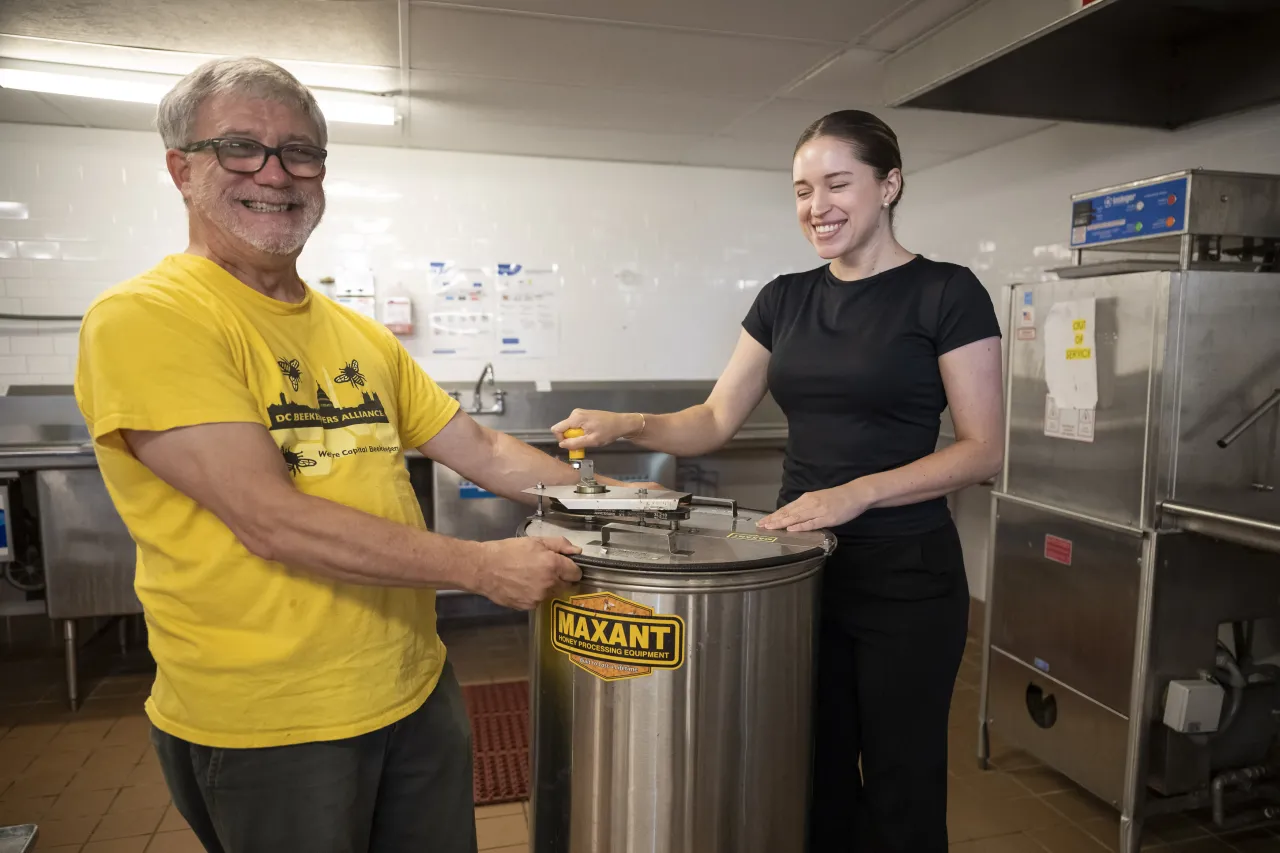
column 405, row 788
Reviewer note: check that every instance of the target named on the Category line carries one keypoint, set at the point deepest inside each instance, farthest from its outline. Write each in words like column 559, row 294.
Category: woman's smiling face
column 840, row 202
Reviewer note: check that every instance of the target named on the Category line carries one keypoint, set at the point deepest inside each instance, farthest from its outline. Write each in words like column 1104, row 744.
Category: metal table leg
column 984, row 739
column 69, row 643
column 1130, row 834
column 1132, row 806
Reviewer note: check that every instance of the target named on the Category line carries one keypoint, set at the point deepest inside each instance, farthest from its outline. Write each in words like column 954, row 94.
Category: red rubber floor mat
column 500, row 732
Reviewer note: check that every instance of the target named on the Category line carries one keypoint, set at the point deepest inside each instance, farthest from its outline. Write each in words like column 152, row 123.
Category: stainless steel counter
column 43, row 431
column 17, row 839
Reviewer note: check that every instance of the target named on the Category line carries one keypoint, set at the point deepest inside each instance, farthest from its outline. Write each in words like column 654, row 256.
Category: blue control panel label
column 1143, row 211
column 470, row 491
column 4, row 531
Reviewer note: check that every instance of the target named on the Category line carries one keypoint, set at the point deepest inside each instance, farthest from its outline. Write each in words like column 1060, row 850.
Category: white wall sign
column 460, row 319
column 528, row 311
column 1074, row 424
column 1070, row 354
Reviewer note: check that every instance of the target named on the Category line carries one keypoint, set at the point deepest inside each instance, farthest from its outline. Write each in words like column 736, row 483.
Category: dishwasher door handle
column 1250, row 419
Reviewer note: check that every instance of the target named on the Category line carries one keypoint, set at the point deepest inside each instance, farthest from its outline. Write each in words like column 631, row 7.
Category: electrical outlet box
column 1193, row 706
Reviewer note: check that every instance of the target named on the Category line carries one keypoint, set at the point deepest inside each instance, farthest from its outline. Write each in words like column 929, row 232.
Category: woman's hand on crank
column 599, row 428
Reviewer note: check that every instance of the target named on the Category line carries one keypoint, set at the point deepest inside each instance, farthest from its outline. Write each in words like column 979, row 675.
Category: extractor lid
column 1148, row 63
column 714, row 537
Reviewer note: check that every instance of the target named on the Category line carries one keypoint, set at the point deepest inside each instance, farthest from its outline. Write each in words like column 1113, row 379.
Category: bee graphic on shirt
column 295, row 461
column 351, row 373
column 292, row 370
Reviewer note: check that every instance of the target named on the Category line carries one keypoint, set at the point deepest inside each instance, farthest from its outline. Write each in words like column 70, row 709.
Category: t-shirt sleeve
column 424, row 407
column 966, row 313
column 762, row 314
column 148, row 364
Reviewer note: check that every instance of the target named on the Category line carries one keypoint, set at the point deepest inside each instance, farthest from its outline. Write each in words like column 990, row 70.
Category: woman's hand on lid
column 598, row 428
column 822, row 509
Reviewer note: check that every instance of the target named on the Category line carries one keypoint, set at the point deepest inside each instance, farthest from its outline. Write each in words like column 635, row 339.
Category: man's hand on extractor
column 520, row 573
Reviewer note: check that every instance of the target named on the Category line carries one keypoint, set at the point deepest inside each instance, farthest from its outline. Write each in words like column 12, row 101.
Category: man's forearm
column 345, row 544
column 514, row 466
column 520, row 466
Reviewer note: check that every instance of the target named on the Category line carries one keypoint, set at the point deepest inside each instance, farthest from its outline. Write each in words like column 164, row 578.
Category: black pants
column 895, row 616
column 406, row 787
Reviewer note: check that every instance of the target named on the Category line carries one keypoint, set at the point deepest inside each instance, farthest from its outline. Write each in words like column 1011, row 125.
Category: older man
column 251, row 434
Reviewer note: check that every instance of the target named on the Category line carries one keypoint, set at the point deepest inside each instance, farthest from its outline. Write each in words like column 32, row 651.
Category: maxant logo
column 613, row 638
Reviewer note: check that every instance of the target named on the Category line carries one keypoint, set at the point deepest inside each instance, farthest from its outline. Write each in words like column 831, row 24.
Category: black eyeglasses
column 248, row 157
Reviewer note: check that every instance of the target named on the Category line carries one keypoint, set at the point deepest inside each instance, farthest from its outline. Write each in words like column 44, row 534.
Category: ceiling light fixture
column 107, row 84
column 83, row 86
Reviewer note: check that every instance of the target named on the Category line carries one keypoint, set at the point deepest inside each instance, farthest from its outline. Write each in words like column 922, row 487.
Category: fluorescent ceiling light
column 373, row 79
column 353, row 110
column 342, row 107
column 82, row 86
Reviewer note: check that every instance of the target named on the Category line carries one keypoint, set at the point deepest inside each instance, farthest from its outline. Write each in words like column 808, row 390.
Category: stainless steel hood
column 1148, row 63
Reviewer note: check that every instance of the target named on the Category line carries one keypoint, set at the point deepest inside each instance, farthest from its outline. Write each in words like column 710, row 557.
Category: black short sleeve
column 854, row 367
column 760, row 318
column 965, row 314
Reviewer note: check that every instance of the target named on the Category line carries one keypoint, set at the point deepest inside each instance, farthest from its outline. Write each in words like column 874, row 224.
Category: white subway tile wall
column 33, row 345
column 657, row 263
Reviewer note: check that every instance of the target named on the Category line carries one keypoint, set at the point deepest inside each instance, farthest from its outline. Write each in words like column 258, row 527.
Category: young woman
column 863, row 354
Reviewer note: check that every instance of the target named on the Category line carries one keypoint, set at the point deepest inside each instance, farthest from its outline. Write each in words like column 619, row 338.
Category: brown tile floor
column 92, row 783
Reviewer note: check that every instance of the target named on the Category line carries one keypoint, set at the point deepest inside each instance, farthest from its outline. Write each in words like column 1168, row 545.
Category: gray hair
column 249, row 76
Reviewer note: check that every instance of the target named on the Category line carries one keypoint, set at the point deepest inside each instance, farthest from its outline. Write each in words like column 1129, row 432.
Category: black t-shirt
column 854, row 367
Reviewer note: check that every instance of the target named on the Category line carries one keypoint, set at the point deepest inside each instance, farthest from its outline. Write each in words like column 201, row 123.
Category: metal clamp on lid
column 615, row 527
column 699, row 500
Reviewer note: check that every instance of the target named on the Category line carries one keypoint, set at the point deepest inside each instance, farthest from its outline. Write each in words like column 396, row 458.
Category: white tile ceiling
column 576, row 52
column 352, row 31
column 703, row 82
column 817, row 20
column 464, row 100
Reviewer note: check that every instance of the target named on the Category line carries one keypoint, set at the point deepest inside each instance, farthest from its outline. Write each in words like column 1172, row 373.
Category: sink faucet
column 487, row 373
column 499, row 396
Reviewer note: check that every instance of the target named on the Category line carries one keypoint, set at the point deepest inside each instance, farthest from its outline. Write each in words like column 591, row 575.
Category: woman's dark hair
column 874, row 142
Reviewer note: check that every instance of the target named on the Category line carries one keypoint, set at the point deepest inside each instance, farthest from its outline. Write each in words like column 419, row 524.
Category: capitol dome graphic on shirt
column 313, row 436
column 291, row 414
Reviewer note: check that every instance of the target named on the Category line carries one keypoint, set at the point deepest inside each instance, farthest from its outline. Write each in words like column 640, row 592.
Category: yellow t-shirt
column 252, row 653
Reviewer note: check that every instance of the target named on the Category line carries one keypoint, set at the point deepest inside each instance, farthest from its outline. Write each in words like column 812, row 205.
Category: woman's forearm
column 689, row 432
column 965, row 463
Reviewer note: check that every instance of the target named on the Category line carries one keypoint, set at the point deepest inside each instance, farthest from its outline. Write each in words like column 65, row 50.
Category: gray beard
column 218, row 209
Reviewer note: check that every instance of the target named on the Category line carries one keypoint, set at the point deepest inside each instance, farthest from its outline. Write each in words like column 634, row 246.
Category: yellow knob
column 574, row 432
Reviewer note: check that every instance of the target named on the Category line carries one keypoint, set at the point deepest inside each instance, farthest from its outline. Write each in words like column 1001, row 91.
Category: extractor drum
column 672, row 687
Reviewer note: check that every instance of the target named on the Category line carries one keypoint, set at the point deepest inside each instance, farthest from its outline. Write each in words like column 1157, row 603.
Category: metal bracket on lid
column 729, row 502
column 668, row 535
